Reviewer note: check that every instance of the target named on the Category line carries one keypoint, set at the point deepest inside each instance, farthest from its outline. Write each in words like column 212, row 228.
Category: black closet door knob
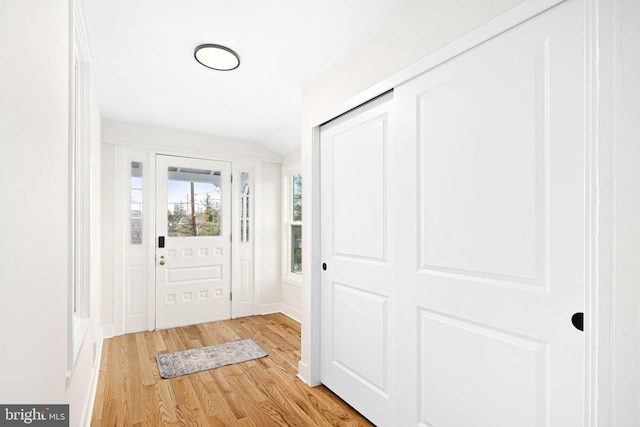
column 324, row 266
column 578, row 321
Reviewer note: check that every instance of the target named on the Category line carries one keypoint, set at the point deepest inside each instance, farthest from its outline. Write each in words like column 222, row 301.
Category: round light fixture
column 217, row 57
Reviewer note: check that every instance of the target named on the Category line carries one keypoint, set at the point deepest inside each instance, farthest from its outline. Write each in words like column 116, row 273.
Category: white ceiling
column 142, row 58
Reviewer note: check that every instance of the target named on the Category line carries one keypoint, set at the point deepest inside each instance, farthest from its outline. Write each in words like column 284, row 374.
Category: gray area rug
column 200, row 359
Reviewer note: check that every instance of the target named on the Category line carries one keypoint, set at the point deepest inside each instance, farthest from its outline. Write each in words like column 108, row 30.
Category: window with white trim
column 293, row 225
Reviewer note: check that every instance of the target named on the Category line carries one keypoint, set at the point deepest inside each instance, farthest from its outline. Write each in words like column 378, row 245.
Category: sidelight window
column 136, row 203
column 245, row 207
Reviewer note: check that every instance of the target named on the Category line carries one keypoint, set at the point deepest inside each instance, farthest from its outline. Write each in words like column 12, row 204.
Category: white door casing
column 193, row 278
column 491, row 157
column 356, row 304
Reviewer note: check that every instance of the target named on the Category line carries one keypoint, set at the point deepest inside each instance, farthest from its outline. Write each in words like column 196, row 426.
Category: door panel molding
column 444, row 339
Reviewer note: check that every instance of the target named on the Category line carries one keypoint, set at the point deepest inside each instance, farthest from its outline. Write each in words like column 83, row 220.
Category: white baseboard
column 87, row 412
column 275, row 307
column 291, row 312
column 303, row 372
column 281, row 308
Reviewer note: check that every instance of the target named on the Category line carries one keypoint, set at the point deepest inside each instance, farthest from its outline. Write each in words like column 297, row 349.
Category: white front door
column 356, row 306
column 491, row 160
column 193, row 227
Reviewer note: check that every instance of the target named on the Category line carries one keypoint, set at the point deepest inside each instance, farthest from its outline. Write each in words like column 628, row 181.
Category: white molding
column 87, row 411
column 257, row 237
column 311, row 257
column 151, row 243
column 278, row 307
column 597, row 190
column 287, row 171
column 614, row 370
column 290, row 312
column 79, row 183
column 304, row 373
column 274, row 307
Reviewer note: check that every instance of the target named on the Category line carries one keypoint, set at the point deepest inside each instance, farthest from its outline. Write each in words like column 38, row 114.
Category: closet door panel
column 490, row 171
column 356, row 293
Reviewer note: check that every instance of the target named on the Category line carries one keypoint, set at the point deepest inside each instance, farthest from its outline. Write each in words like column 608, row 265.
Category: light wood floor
column 262, row 392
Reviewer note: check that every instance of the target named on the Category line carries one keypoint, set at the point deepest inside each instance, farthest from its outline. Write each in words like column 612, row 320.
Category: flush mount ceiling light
column 217, row 57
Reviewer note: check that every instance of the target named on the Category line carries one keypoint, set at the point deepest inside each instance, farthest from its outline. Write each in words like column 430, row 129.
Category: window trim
column 79, row 190
column 288, row 222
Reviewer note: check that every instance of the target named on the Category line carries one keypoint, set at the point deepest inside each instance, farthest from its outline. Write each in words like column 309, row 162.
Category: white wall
column 173, row 140
column 268, row 237
column 34, row 290
column 417, row 32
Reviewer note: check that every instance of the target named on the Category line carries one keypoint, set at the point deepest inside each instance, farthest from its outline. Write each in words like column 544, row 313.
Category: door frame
column 600, row 32
column 238, row 308
column 119, row 158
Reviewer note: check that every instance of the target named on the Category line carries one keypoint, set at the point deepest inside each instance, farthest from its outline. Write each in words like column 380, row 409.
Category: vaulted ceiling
column 145, row 72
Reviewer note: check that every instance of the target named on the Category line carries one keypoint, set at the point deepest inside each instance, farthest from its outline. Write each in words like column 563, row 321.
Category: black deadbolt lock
column 324, row 266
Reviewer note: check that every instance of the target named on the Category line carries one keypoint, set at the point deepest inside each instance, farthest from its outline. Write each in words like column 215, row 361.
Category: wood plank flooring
column 258, row 393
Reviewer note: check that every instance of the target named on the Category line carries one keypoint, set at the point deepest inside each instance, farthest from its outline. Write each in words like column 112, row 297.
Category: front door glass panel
column 194, row 202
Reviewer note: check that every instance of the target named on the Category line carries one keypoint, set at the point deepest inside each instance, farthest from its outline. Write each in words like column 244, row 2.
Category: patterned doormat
column 201, row 359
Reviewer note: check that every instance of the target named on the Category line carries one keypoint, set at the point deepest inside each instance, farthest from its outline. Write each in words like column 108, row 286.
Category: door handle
column 161, row 260
column 578, row 321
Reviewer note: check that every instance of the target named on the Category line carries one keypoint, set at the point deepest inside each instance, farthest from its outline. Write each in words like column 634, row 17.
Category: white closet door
column 491, row 242
column 356, row 234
